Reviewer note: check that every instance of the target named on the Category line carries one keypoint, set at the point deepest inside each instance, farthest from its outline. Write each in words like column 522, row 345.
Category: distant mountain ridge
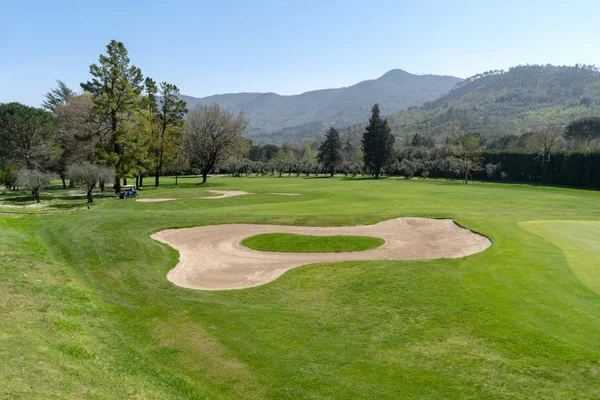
column 276, row 119
column 498, row 103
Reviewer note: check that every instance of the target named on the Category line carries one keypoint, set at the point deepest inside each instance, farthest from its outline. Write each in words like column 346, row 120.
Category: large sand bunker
column 221, row 195
column 213, row 258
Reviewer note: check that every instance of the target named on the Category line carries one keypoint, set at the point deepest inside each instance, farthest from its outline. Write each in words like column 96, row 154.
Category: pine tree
column 377, row 143
column 116, row 89
column 330, row 151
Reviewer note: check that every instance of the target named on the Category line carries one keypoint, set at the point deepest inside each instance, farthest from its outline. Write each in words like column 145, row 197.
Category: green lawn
column 86, row 310
column 292, row 243
column 580, row 243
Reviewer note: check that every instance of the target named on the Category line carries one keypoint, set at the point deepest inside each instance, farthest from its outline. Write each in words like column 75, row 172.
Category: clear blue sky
column 288, row 47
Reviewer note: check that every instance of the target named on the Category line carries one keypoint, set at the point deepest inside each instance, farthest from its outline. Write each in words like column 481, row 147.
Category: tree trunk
column 141, row 180
column 64, row 182
column 137, row 181
column 89, row 196
column 176, row 177
column 204, row 177
column 36, row 194
column 102, row 186
column 157, row 177
column 125, row 181
column 117, row 183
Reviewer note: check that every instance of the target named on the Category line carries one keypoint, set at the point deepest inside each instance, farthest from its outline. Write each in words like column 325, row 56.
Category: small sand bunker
column 222, row 194
column 213, row 258
column 156, row 200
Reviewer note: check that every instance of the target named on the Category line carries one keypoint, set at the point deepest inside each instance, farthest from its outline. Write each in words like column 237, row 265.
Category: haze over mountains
column 276, row 119
column 499, row 103
column 494, row 103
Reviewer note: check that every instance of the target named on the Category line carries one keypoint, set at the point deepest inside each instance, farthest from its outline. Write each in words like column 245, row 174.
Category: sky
column 286, row 47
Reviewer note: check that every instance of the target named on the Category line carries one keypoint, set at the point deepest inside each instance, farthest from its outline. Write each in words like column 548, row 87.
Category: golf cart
column 128, row 191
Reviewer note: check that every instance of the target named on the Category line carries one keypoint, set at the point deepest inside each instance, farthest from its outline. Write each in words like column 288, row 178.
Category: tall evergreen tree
column 377, row 143
column 116, row 89
column 167, row 120
column 330, row 151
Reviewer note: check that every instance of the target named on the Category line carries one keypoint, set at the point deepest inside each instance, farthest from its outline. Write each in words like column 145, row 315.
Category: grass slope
column 292, row 243
column 86, row 310
column 579, row 241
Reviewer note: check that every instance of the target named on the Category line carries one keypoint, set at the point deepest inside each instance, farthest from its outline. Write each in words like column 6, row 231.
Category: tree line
column 120, row 125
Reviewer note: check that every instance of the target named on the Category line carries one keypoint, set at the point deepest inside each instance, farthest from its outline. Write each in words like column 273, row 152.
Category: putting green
column 293, row 243
column 579, row 241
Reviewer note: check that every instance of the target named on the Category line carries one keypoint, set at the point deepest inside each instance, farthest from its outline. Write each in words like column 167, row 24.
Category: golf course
column 87, row 311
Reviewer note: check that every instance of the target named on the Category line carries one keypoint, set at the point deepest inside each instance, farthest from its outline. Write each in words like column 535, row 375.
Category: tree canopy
column 330, row 151
column 377, row 143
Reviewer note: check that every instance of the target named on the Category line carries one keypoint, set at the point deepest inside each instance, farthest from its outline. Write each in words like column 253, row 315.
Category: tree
column 330, row 151
column 89, row 175
column 167, row 121
column 116, row 89
column 59, row 96
column 72, row 113
column 213, row 136
column 468, row 150
column 545, row 139
column 8, row 176
column 27, row 135
column 179, row 165
column 308, row 162
column 377, row 143
column 34, row 181
column 77, row 123
column 421, row 141
column 584, row 131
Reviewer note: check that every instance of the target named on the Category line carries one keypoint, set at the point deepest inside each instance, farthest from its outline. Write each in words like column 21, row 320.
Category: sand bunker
column 222, row 194
column 156, row 200
column 213, row 258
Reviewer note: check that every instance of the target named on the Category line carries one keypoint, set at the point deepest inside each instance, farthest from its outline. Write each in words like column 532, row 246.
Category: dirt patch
column 213, row 258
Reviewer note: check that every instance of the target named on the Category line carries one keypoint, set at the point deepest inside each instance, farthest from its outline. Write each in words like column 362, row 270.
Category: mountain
column 277, row 119
column 498, row 103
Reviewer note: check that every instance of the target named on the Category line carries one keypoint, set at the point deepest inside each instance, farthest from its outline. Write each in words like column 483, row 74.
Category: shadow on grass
column 364, row 178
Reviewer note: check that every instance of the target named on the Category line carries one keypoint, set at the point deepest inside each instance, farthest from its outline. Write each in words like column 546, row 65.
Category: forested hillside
column 499, row 103
column 278, row 119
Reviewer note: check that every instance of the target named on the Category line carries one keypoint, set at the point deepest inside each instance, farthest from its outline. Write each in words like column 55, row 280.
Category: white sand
column 222, row 195
column 212, row 257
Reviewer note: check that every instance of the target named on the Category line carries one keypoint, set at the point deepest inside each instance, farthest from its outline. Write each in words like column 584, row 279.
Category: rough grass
column 86, row 310
column 292, row 243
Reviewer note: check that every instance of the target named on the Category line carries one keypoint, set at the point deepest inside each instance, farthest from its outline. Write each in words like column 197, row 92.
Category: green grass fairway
column 579, row 241
column 292, row 243
column 86, row 310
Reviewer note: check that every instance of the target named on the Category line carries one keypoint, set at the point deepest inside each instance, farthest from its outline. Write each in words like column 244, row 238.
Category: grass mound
column 292, row 243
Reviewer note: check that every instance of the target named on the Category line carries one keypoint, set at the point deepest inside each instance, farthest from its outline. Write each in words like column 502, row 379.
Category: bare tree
column 546, row 139
column 213, row 135
column 33, row 180
column 468, row 150
column 77, row 121
column 89, row 175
